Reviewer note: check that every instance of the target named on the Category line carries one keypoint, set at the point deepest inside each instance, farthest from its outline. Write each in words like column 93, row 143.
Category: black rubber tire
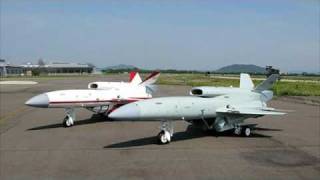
column 246, row 131
column 65, row 124
column 159, row 138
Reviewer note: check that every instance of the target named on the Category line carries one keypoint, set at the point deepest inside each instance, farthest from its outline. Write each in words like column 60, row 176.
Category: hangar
column 55, row 68
column 7, row 69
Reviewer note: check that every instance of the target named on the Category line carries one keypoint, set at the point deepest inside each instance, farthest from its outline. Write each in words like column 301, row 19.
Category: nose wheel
column 68, row 121
column 164, row 137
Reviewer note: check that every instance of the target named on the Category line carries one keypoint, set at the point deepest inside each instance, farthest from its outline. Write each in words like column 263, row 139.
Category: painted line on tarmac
column 18, row 82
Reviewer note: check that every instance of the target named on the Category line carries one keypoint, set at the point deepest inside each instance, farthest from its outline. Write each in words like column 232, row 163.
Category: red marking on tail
column 132, row 75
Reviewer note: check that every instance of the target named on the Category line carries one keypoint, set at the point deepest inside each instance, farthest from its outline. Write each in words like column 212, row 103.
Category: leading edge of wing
column 250, row 111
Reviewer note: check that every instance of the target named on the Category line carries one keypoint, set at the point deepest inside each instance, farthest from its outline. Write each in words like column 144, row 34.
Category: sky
column 192, row 35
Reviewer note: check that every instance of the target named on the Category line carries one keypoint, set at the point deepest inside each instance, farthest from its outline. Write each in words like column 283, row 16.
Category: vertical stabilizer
column 135, row 78
column 246, row 82
column 268, row 83
column 151, row 79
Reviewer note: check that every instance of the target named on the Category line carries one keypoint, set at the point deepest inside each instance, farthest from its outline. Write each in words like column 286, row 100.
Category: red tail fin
column 132, row 75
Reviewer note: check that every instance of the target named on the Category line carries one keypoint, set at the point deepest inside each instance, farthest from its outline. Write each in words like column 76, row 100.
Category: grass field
column 288, row 86
column 281, row 88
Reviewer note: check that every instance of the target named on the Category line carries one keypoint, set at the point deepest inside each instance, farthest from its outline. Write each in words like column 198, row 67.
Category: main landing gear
column 242, row 130
column 68, row 121
column 166, row 133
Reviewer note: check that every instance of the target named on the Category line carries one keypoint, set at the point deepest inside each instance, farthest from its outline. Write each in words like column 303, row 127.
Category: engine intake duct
column 93, row 86
column 207, row 91
column 196, row 92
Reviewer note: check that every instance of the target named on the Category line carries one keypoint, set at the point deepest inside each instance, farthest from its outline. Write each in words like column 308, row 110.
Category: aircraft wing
column 250, row 111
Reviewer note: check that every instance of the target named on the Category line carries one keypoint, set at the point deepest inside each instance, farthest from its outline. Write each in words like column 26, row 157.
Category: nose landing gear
column 68, row 121
column 166, row 133
column 164, row 137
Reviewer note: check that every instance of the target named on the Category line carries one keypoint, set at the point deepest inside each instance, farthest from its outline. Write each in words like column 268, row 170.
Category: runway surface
column 34, row 145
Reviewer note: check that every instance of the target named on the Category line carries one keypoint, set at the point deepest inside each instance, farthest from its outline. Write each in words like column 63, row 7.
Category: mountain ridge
column 120, row 67
column 242, row 68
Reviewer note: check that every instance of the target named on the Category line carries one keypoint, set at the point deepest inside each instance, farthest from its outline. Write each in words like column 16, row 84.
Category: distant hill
column 242, row 68
column 120, row 67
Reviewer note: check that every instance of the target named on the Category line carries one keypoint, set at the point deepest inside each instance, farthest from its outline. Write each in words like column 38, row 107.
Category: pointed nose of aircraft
column 129, row 111
column 40, row 100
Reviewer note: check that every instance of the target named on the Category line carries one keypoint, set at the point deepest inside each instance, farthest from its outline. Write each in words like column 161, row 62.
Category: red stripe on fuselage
column 96, row 101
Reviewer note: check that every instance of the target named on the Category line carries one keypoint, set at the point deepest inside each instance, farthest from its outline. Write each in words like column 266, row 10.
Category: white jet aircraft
column 211, row 108
column 101, row 97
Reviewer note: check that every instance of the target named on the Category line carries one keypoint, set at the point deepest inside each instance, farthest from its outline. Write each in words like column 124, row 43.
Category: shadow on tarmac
column 190, row 133
column 94, row 119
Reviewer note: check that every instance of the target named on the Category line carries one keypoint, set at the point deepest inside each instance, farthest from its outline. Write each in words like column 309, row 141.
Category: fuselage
column 185, row 107
column 106, row 85
column 89, row 97
column 92, row 98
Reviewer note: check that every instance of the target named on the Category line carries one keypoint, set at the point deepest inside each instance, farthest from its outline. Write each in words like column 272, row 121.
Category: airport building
column 55, row 68
column 7, row 69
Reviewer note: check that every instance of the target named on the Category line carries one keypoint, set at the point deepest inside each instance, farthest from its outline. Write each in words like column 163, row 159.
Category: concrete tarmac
column 35, row 145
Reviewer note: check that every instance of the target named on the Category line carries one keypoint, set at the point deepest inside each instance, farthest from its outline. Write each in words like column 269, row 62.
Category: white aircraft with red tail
column 100, row 97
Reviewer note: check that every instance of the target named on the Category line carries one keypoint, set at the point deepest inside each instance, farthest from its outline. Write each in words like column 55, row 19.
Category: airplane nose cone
column 129, row 111
column 40, row 100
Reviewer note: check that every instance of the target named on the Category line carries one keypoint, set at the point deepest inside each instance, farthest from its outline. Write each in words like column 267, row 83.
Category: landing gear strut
column 166, row 133
column 237, row 130
column 68, row 121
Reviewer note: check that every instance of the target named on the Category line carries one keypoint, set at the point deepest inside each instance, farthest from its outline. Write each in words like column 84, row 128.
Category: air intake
column 196, row 92
column 93, row 86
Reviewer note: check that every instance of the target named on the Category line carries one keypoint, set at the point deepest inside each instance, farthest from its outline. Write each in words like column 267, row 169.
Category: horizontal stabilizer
column 151, row 88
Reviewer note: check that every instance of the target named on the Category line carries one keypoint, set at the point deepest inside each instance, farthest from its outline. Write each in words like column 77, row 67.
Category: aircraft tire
column 246, row 131
column 67, row 122
column 163, row 137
